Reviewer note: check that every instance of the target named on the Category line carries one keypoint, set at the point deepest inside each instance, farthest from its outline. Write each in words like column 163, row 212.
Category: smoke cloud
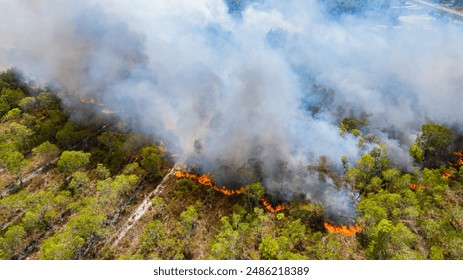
column 250, row 90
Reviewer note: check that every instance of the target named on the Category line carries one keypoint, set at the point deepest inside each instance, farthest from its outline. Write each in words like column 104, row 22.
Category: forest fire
column 344, row 230
column 207, row 182
column 459, row 162
column 271, row 208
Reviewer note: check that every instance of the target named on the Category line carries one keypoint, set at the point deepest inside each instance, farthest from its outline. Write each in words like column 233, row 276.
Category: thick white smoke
column 261, row 86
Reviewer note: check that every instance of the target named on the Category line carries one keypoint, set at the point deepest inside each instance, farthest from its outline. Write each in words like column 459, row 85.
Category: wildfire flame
column 344, row 230
column 416, row 187
column 272, row 208
column 207, row 182
column 459, row 162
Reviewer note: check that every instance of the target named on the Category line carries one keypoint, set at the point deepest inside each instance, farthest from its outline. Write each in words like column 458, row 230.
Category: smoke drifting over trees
column 261, row 85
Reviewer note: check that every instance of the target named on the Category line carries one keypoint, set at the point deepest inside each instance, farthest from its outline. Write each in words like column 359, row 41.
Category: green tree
column 61, row 246
column 133, row 168
column 352, row 125
column 123, row 184
column 4, row 107
column 188, row 219
column 111, row 140
column 294, row 231
column 13, row 243
column 227, row 245
column 151, row 160
column 152, row 233
column 112, row 192
column 27, row 104
column 30, row 121
column 435, row 142
column 72, row 161
column 272, row 248
column 13, row 161
column 66, row 136
column 47, row 130
column 12, row 96
column 269, row 248
column 375, row 185
column 44, row 208
column 254, row 193
column 15, row 202
column 157, row 204
column 21, row 135
column 417, row 153
column 101, row 171
column 330, row 248
column 79, row 181
column 13, row 114
column 391, row 177
column 48, row 100
column 46, row 150
column 86, row 224
column 31, row 221
column 391, row 242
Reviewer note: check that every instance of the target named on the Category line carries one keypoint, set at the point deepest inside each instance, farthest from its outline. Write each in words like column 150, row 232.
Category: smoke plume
column 250, row 90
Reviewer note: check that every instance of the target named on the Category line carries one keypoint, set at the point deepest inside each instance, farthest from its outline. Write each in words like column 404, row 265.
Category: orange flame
column 183, row 174
column 459, row 160
column 207, row 182
column 272, row 208
column 416, row 187
column 344, row 230
column 446, row 175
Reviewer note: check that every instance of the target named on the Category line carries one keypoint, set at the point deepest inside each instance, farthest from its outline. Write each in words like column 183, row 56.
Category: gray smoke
column 253, row 92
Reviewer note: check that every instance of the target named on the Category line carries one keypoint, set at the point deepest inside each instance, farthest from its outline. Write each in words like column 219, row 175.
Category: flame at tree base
column 271, row 208
column 344, row 230
column 458, row 164
column 207, row 182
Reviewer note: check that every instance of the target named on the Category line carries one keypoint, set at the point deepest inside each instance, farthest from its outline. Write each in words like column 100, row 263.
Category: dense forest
column 78, row 183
